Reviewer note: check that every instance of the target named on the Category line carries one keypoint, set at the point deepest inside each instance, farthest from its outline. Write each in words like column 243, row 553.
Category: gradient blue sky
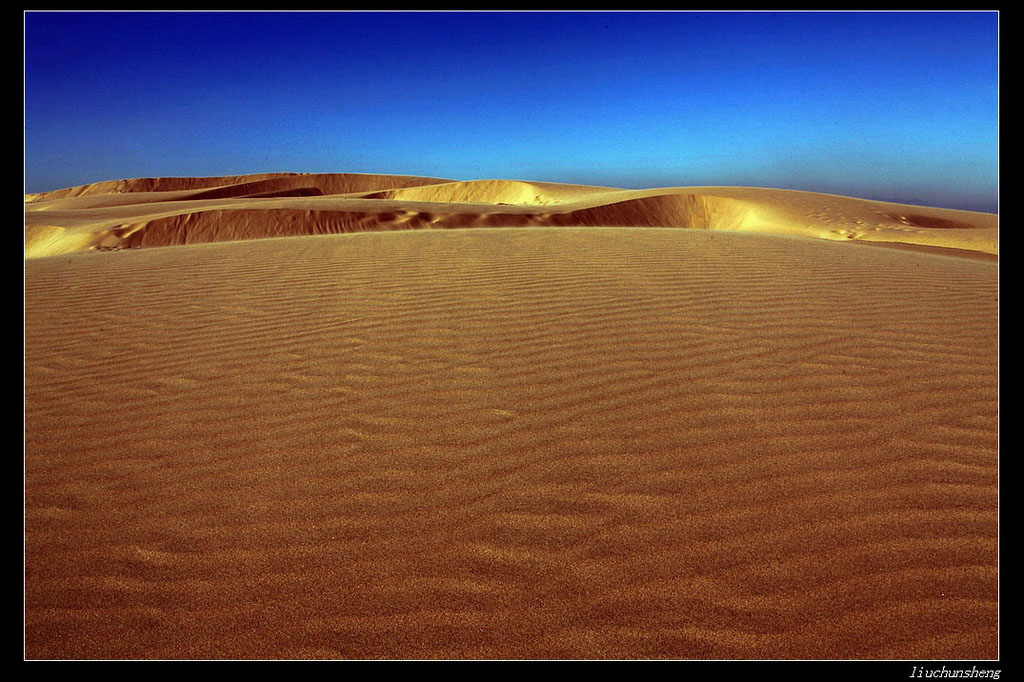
column 897, row 106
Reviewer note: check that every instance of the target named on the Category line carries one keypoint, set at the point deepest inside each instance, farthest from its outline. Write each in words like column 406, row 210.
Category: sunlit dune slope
column 558, row 442
column 501, row 192
column 176, row 211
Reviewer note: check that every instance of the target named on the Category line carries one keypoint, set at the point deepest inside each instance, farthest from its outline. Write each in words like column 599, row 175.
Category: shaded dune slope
column 235, row 185
column 676, row 210
column 542, row 443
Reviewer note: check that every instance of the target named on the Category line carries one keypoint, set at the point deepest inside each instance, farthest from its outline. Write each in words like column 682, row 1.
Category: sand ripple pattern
column 532, row 443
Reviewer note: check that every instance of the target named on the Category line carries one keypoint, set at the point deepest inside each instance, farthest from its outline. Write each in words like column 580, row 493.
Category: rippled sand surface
column 533, row 441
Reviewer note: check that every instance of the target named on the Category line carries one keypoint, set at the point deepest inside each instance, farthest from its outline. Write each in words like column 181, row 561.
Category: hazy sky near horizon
column 886, row 105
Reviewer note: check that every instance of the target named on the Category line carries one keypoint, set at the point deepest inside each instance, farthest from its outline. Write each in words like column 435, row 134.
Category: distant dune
column 174, row 211
column 558, row 434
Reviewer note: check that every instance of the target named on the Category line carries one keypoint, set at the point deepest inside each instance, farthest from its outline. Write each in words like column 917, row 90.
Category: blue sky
column 897, row 106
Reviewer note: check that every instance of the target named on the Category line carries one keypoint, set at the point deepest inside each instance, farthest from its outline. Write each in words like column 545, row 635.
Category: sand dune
column 176, row 211
column 327, row 183
column 573, row 440
column 502, row 192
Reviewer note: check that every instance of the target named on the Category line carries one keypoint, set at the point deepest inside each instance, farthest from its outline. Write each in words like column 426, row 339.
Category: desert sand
column 357, row 416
